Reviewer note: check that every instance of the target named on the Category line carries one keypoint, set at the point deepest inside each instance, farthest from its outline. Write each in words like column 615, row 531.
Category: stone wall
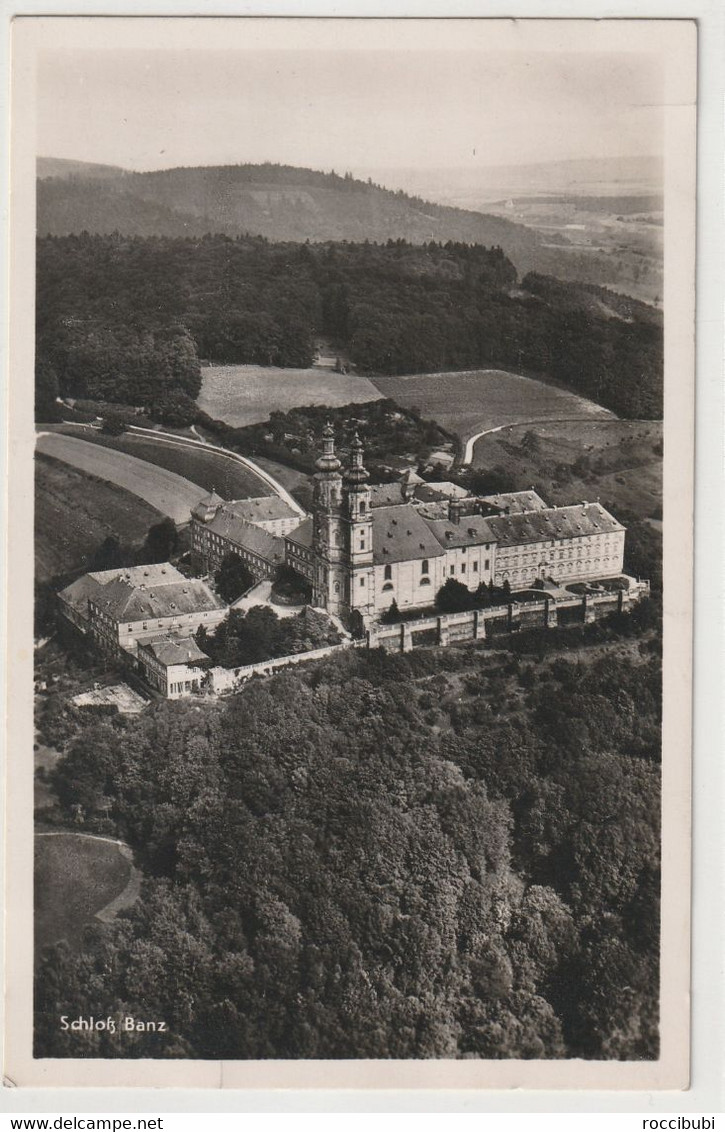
column 473, row 625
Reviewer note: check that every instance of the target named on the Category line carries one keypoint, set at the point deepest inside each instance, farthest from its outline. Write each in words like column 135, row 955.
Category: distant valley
column 575, row 236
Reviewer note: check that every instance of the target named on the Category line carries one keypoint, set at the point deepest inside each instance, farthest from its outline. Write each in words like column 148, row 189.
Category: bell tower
column 357, row 520
column 328, row 586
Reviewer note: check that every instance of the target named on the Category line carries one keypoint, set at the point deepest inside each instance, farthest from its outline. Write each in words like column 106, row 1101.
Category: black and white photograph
column 351, row 387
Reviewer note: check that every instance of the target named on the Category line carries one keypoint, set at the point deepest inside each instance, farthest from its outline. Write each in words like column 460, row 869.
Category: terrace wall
column 477, row 624
column 228, row 679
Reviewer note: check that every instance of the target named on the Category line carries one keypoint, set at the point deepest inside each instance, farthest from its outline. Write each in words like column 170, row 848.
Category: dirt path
column 470, row 443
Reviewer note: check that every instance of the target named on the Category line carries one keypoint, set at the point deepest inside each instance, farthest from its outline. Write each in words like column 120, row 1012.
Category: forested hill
column 130, row 319
column 277, row 201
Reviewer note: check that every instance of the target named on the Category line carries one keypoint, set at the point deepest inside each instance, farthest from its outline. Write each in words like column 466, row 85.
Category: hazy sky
column 346, row 110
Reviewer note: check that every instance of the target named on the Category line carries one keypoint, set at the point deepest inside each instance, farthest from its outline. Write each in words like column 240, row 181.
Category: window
column 463, row 567
column 362, row 506
column 424, row 566
column 486, row 563
column 362, row 542
column 452, row 570
column 387, row 586
column 388, row 573
column 425, row 581
column 475, row 567
column 362, row 581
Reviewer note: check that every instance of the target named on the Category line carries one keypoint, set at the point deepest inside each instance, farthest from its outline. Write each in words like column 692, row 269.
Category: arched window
column 362, row 506
column 388, row 573
column 387, row 586
column 337, row 587
column 424, row 566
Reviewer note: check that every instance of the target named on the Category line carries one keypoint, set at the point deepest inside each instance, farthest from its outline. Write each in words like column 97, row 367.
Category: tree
column 114, row 424
column 109, row 555
column 233, row 578
column 453, row 597
column 392, row 614
column 161, row 543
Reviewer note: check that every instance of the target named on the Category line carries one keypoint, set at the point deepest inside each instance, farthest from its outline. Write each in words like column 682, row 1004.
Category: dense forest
column 451, row 853
column 129, row 319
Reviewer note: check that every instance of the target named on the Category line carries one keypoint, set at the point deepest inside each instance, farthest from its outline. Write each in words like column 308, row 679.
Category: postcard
column 350, row 529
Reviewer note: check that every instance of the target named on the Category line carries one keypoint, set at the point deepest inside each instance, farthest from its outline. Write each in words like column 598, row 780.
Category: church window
column 388, row 572
column 362, row 506
column 424, row 566
column 337, row 587
column 362, row 542
column 387, row 586
column 425, row 581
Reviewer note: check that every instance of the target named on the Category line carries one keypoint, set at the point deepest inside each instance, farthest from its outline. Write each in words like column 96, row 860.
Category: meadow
column 76, row 876
column 244, row 395
column 171, row 494
column 75, row 512
column 210, row 470
column 467, row 403
column 619, row 462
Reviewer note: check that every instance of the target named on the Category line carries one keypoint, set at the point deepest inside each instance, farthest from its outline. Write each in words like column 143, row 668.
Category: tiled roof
column 77, row 593
column 411, row 476
column 516, row 501
column 261, row 510
column 472, row 530
column 554, row 523
column 428, row 492
column 170, row 650
column 246, row 535
column 400, row 534
column 206, row 505
column 95, row 584
column 386, row 495
column 127, row 602
column 155, row 573
column 301, row 535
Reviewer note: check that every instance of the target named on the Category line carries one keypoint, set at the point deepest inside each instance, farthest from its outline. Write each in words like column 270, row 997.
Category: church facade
column 366, row 546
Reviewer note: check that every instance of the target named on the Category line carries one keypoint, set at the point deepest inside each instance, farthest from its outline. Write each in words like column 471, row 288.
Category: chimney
column 454, row 511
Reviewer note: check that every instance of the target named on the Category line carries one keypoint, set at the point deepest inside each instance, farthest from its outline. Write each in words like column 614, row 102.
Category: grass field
column 244, row 395
column 75, row 877
column 469, row 402
column 619, row 462
column 207, row 469
column 75, row 512
column 169, row 493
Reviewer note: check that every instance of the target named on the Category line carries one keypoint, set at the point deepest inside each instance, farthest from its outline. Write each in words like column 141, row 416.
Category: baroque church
column 366, row 546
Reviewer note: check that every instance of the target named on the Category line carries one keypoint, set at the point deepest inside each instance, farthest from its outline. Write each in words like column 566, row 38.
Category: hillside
column 130, row 319
column 63, row 168
column 279, row 202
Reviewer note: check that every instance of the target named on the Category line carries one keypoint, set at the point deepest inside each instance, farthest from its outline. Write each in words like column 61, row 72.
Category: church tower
column 357, row 521
column 329, row 583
